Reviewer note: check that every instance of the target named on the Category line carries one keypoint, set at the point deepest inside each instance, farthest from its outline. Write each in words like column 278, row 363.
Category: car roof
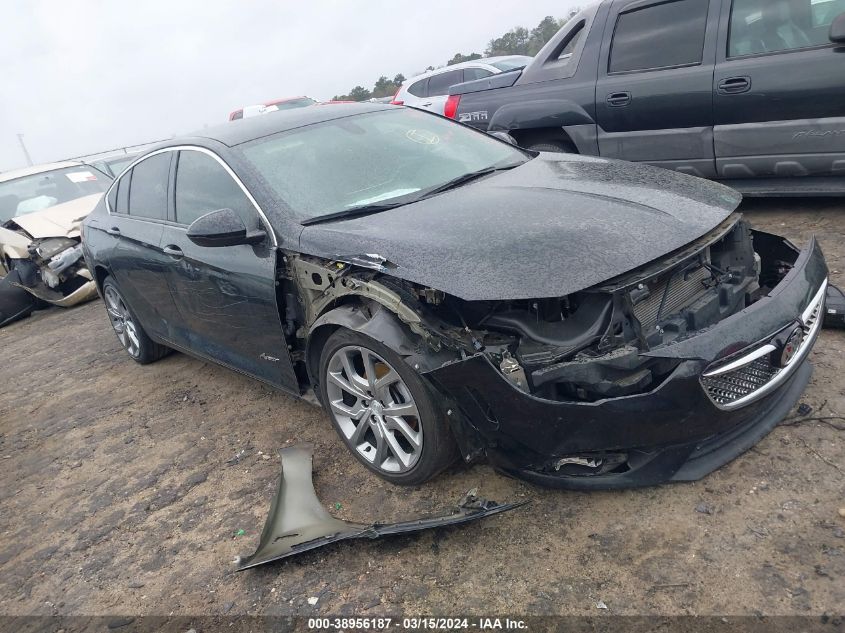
column 243, row 130
column 37, row 169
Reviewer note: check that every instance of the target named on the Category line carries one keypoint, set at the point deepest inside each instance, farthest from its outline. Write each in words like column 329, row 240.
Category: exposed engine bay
column 583, row 347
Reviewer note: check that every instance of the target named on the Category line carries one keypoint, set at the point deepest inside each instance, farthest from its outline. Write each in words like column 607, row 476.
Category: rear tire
column 361, row 383
column 131, row 335
column 553, row 146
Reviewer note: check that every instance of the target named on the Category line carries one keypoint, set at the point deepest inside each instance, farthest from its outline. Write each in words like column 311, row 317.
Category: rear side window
column 439, row 85
column 418, row 88
column 113, row 197
column 568, row 45
column 475, row 73
column 203, row 185
column 122, row 188
column 770, row 26
column 659, row 36
column 148, row 187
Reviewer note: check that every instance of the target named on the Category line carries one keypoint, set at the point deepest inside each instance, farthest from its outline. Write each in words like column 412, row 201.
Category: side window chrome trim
column 201, row 150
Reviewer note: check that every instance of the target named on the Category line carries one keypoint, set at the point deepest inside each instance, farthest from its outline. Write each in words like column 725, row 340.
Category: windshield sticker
column 81, row 176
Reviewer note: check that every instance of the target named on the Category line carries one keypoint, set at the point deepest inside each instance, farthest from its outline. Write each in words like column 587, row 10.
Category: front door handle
column 618, row 99
column 113, row 231
column 734, row 85
column 173, row 251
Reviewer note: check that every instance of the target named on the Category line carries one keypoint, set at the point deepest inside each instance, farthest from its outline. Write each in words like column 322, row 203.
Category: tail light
column 396, row 101
column 450, row 110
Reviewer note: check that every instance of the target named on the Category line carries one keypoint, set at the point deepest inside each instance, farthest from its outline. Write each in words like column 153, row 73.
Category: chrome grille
column 727, row 388
column 683, row 290
column 735, row 383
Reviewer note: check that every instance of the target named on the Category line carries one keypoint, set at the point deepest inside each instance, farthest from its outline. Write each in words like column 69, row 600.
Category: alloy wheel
column 374, row 409
column 122, row 322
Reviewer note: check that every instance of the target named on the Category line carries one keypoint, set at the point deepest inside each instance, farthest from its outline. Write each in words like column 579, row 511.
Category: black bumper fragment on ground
column 15, row 302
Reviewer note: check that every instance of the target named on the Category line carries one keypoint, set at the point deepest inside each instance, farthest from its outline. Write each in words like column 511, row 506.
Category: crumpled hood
column 553, row 226
column 60, row 220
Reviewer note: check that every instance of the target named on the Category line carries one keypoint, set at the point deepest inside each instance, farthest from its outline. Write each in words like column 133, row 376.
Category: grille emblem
column 788, row 349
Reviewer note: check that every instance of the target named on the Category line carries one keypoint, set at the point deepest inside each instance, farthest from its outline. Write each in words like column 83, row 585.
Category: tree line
column 518, row 41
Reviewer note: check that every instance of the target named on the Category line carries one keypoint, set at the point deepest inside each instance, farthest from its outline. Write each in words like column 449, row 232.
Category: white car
column 41, row 209
column 430, row 90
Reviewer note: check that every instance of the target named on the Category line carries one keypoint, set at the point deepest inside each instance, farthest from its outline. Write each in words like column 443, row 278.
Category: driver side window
column 203, row 185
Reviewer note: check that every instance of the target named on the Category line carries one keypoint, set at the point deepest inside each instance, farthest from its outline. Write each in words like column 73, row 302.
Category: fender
column 542, row 113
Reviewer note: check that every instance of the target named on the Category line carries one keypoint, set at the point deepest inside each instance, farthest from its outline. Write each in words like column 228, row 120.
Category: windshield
column 374, row 158
column 511, row 63
column 37, row 192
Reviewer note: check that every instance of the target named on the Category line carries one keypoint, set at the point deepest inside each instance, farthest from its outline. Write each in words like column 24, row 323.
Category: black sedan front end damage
column 662, row 375
column 581, row 322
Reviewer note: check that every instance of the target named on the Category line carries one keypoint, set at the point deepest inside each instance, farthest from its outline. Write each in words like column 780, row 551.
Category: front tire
column 140, row 347
column 383, row 410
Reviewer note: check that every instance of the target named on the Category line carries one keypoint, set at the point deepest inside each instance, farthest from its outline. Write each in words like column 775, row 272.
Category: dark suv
column 751, row 92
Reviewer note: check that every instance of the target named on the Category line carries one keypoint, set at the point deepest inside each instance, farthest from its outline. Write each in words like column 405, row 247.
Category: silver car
column 430, row 90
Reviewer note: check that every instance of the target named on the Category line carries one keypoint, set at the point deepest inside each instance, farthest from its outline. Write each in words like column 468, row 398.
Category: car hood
column 61, row 220
column 555, row 225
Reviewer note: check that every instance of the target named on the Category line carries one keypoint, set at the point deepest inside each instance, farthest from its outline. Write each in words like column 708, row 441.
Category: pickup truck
column 748, row 92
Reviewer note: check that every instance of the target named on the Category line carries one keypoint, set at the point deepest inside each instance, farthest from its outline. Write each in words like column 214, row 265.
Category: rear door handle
column 173, row 251
column 734, row 85
column 618, row 99
column 113, row 231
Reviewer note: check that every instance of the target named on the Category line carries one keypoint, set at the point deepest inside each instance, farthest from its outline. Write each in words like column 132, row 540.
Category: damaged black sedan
column 578, row 322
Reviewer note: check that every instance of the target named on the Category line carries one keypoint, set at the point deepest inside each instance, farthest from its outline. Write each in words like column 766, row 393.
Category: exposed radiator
column 683, row 290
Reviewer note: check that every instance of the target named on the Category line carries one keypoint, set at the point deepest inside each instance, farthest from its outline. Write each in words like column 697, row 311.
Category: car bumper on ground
column 733, row 384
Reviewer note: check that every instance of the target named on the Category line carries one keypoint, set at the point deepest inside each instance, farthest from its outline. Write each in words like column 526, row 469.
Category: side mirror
column 504, row 136
column 223, row 227
column 837, row 30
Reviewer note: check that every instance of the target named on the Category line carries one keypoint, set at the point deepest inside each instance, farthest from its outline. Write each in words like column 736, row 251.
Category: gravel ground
column 120, row 495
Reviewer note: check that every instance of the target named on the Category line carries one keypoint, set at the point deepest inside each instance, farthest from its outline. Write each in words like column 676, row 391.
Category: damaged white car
column 40, row 245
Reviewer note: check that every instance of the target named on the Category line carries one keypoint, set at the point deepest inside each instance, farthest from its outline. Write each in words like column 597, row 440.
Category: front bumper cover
column 674, row 433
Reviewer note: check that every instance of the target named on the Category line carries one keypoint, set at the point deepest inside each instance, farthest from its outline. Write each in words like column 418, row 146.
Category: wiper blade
column 465, row 178
column 353, row 212
column 460, row 180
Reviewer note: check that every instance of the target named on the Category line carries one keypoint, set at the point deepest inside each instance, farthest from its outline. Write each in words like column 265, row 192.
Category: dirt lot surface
column 121, row 494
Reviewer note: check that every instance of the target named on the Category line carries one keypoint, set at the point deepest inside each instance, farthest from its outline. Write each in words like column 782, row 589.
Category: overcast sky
column 84, row 76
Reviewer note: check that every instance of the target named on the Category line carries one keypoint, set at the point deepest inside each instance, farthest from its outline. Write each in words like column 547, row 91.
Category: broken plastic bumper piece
column 298, row 522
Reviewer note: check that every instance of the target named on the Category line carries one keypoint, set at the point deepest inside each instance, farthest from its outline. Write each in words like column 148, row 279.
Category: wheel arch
column 100, row 274
column 380, row 324
column 548, row 120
